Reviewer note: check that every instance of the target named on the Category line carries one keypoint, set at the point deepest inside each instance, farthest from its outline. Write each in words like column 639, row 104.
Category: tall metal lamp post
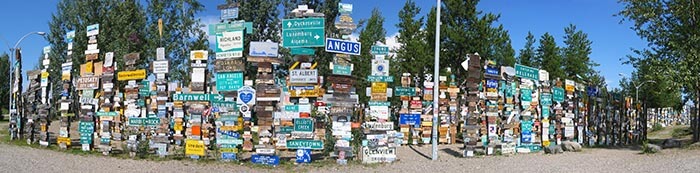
column 12, row 52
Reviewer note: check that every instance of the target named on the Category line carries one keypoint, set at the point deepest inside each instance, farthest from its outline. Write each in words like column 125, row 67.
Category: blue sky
column 611, row 40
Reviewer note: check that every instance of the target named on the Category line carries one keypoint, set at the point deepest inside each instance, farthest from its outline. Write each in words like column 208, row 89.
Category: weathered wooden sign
column 130, row 59
column 88, row 82
column 229, row 65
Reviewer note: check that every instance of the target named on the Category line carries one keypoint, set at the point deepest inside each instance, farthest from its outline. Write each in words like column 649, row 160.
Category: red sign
column 415, row 104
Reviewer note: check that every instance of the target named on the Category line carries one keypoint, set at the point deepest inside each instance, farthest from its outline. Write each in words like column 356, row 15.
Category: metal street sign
column 380, row 78
column 526, row 94
column 131, row 75
column 546, row 99
column 302, row 51
column 558, row 94
column 409, row 119
column 303, row 76
column 343, row 46
column 229, row 44
column 198, row 97
column 341, row 69
column 246, row 95
column 229, row 13
column 305, row 144
column 107, row 114
column 229, row 81
column 235, row 25
column 303, row 125
column 303, row 32
column 379, row 50
column 527, row 72
column 377, row 103
column 265, row 159
column 405, row 91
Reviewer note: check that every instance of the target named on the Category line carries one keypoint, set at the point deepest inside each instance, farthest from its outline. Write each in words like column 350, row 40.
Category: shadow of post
column 419, row 153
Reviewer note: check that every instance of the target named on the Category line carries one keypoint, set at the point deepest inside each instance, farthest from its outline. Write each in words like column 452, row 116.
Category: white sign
column 380, row 154
column 160, row 53
column 88, row 100
column 160, row 67
column 303, row 76
column 198, row 74
column 544, row 75
column 269, row 151
column 342, row 128
column 265, row 49
column 380, row 67
column 109, row 58
column 380, row 112
column 246, row 96
column 378, row 126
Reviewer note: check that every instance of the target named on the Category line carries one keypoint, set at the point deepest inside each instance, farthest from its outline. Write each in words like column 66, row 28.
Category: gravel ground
column 412, row 159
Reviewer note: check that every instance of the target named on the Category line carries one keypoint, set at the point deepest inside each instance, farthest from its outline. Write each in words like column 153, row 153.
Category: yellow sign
column 88, row 67
column 131, row 75
column 178, row 127
column 304, row 93
column 63, row 140
column 199, row 55
column 569, row 88
column 194, row 147
column 44, row 75
column 378, row 87
column 65, row 76
column 229, row 128
column 228, row 150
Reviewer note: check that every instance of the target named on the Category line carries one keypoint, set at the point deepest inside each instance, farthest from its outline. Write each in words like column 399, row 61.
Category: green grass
column 657, row 127
column 681, row 132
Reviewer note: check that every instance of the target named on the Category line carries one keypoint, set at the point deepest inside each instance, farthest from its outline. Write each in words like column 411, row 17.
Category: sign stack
column 380, row 143
column 134, row 103
column 63, row 138
column 546, row 105
column 161, row 68
column 197, row 110
column 470, row 131
column 569, row 117
column 267, row 95
column 510, row 130
column 410, row 113
column 44, row 107
column 427, row 116
column 529, row 118
column 555, row 128
column 453, row 91
column 88, row 82
column 33, row 99
column 491, row 77
column 110, row 135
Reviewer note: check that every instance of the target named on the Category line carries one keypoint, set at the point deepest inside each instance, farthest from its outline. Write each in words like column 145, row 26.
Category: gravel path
column 15, row 158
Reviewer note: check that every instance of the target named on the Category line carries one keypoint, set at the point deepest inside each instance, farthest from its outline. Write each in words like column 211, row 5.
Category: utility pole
column 435, row 81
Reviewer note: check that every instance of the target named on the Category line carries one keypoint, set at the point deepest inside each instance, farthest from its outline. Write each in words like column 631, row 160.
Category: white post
column 436, row 77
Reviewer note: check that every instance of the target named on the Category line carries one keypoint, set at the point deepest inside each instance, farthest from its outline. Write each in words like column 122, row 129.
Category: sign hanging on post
column 88, row 82
column 380, row 67
column 131, row 75
column 303, row 125
column 246, row 95
column 527, row 72
column 303, row 32
column 379, row 50
column 229, row 44
column 229, row 81
column 558, row 94
column 303, row 76
column 264, row 49
column 160, row 67
column 343, row 46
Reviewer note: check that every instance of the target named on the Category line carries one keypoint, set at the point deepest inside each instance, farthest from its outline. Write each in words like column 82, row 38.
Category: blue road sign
column 265, row 159
column 343, row 46
column 303, row 156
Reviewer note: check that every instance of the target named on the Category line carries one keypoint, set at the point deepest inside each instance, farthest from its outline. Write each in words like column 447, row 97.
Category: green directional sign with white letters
column 303, row 32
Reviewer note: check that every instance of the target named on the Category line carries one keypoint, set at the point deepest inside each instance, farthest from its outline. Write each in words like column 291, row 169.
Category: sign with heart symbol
column 246, row 95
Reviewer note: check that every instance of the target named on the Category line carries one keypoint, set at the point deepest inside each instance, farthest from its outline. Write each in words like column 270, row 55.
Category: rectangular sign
column 303, row 76
column 265, row 159
column 194, row 147
column 108, row 114
column 93, row 29
column 305, row 144
column 409, row 119
column 160, row 67
column 303, row 125
column 342, row 69
column 199, row 55
column 198, row 97
column 231, row 81
column 379, row 87
column 229, row 41
column 380, row 78
column 379, row 50
column 87, row 83
column 264, row 49
column 232, row 26
column 380, row 67
column 405, row 91
column 303, row 32
column 131, row 75
column 229, row 65
column 343, row 46
column 229, row 13
column 302, row 51
column 558, row 94
column 527, row 72
column 384, row 126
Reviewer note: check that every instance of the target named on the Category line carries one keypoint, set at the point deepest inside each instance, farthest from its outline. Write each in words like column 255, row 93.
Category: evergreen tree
column 411, row 56
column 369, row 35
column 501, row 48
column 527, row 53
column 575, row 55
column 548, row 55
column 5, row 85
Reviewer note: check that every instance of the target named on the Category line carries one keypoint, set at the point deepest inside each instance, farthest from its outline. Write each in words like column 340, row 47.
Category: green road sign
column 303, row 125
column 527, row 72
column 229, row 81
column 546, row 99
column 106, row 114
column 305, row 144
column 303, row 32
column 86, row 127
column 376, row 103
column 291, row 108
column 224, row 104
column 404, row 91
column 286, row 129
column 235, row 25
column 380, row 78
column 302, row 51
column 342, row 69
column 558, row 94
column 152, row 122
column 379, row 50
column 526, row 95
column 198, row 97
column 227, row 118
column 133, row 121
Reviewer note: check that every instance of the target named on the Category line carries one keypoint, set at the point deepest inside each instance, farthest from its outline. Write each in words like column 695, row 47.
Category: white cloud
column 206, row 21
column 393, row 44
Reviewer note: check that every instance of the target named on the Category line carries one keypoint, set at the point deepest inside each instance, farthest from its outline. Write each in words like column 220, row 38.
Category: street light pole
column 11, row 65
column 436, row 77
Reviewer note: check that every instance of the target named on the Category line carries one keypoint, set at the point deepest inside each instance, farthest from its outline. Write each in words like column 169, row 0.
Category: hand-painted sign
column 305, row 144
column 379, row 154
column 131, row 75
column 303, row 32
column 194, row 147
column 343, row 46
column 231, row 81
column 379, row 50
column 558, row 94
column 303, row 125
column 87, row 83
column 229, row 65
column 264, row 49
column 303, row 76
column 246, row 95
column 527, row 72
column 160, row 67
column 265, row 159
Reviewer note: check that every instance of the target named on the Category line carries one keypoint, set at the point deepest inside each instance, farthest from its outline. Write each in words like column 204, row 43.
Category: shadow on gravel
column 419, row 153
column 452, row 152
